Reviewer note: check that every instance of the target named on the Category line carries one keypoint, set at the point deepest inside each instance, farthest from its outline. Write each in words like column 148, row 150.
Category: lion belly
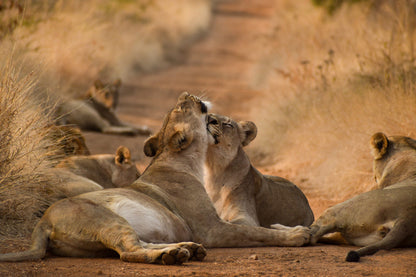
column 151, row 221
column 364, row 235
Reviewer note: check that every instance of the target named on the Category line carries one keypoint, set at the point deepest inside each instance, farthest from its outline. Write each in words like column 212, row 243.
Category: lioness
column 167, row 204
column 69, row 139
column 95, row 112
column 384, row 218
column 107, row 170
column 240, row 193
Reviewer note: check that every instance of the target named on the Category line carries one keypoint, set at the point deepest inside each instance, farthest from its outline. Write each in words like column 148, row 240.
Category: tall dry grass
column 26, row 154
column 331, row 82
column 75, row 42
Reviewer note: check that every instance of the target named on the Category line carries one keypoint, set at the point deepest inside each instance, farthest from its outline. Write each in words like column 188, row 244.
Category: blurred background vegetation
column 71, row 43
column 337, row 72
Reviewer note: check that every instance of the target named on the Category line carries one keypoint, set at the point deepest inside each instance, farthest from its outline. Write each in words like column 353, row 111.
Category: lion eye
column 228, row 125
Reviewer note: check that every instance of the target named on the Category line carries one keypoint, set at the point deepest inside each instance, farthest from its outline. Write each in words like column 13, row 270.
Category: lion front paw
column 295, row 236
column 299, row 235
column 144, row 130
column 173, row 256
column 197, row 251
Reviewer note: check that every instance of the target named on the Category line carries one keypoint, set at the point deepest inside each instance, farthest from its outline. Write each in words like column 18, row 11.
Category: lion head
column 105, row 93
column 229, row 136
column 183, row 127
column 394, row 160
column 69, row 139
column 123, row 170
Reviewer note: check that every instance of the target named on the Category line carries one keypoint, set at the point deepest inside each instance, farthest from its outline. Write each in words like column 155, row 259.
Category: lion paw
column 197, row 251
column 296, row 236
column 174, row 256
column 143, row 130
column 300, row 235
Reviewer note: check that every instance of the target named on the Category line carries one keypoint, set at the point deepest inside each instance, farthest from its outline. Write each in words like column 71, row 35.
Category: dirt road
column 217, row 66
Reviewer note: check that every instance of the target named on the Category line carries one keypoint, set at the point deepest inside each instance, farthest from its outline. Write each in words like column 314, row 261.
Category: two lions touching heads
column 167, row 216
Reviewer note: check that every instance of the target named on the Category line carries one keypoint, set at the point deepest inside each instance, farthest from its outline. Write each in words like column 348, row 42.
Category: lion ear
column 117, row 82
column 248, row 132
column 379, row 144
column 123, row 155
column 98, row 84
column 151, row 145
column 181, row 138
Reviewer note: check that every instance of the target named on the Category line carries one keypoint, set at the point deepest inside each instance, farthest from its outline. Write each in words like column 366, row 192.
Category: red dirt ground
column 219, row 67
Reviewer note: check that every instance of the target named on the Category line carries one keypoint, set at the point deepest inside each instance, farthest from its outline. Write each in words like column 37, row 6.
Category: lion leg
column 233, row 235
column 123, row 239
column 141, row 130
column 166, row 256
column 84, row 229
column 394, row 237
column 197, row 251
column 120, row 130
column 112, row 125
column 126, row 130
column 326, row 223
column 284, row 228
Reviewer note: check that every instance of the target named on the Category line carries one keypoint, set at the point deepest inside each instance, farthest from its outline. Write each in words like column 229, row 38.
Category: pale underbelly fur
column 151, row 222
column 369, row 238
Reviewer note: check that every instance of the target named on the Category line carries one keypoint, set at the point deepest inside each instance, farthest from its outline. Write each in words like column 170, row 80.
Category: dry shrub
column 76, row 42
column 332, row 82
column 26, row 190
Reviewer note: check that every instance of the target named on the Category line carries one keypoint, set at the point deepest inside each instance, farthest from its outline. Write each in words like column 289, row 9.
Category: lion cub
column 107, row 170
column 384, row 218
column 96, row 111
column 240, row 193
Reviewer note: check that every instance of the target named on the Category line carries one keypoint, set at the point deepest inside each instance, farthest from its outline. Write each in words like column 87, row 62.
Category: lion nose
column 212, row 120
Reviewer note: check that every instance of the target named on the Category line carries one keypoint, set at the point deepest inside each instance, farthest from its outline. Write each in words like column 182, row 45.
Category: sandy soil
column 218, row 66
column 271, row 261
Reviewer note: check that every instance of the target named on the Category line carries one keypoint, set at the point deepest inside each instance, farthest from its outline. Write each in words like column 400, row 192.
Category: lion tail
column 40, row 238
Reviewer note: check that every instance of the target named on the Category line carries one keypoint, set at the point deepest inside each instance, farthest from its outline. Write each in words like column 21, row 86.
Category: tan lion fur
column 70, row 140
column 383, row 218
column 109, row 171
column 165, row 206
column 240, row 193
column 96, row 112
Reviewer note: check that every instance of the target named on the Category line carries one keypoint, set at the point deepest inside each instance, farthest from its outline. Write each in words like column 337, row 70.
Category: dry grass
column 26, row 190
column 332, row 82
column 75, row 42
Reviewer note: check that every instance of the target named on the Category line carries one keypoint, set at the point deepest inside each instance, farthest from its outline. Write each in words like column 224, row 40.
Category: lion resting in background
column 149, row 220
column 383, row 218
column 69, row 140
column 107, row 170
column 240, row 193
column 96, row 112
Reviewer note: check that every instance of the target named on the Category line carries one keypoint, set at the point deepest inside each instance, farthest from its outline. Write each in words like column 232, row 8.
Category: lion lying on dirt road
column 240, row 193
column 167, row 204
column 109, row 171
column 96, row 112
column 384, row 218
column 69, row 139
